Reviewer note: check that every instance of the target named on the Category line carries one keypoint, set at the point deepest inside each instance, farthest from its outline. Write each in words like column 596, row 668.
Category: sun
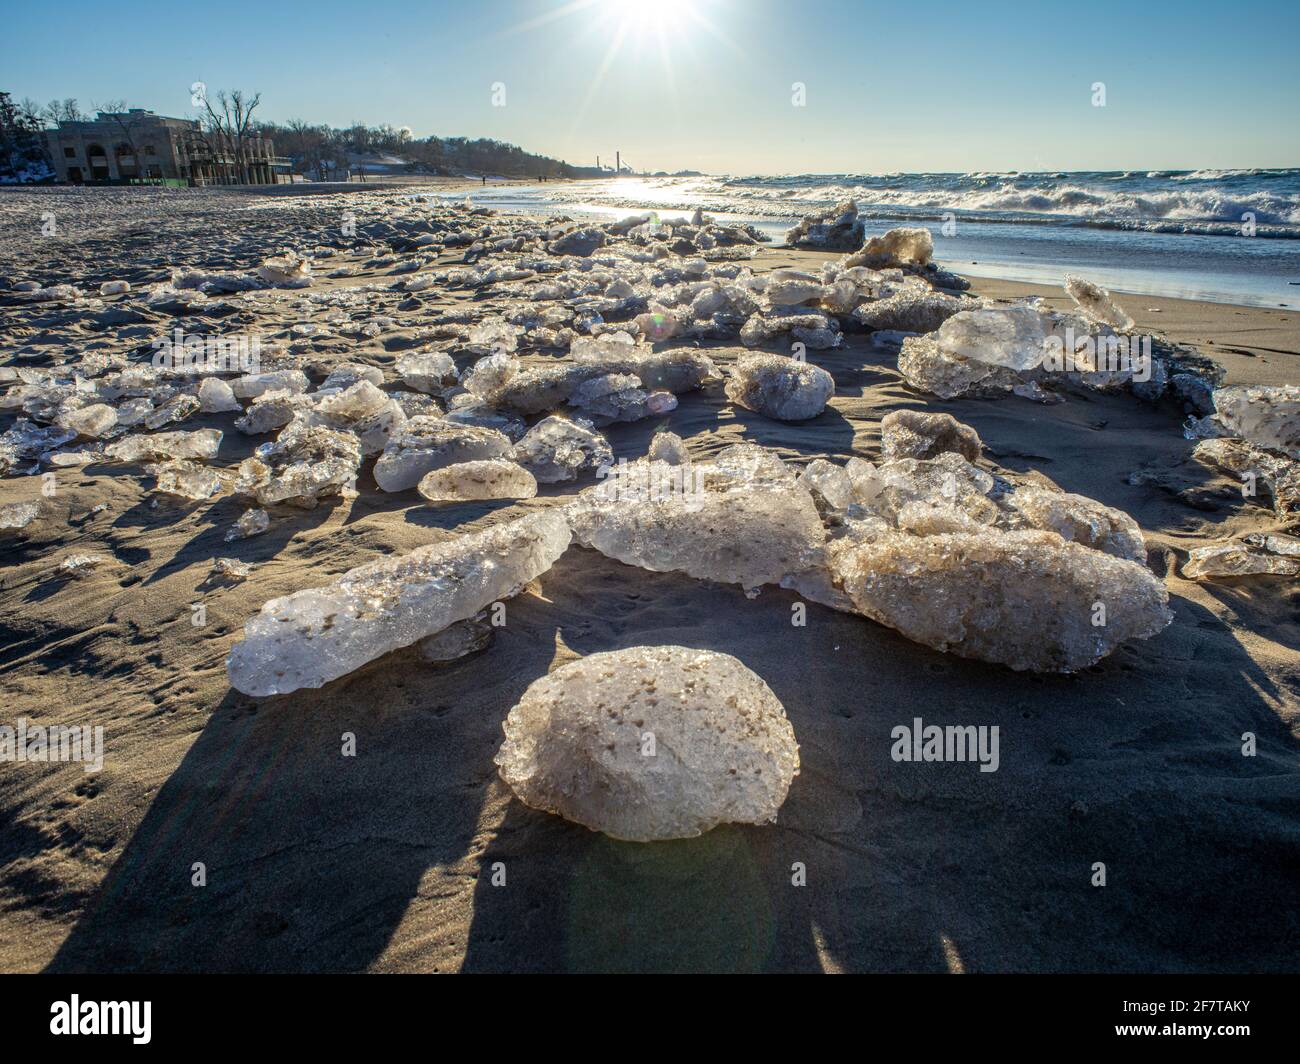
column 651, row 14
column 670, row 28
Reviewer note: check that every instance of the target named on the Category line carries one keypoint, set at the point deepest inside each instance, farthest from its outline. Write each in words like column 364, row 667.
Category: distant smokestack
column 618, row 165
column 597, row 162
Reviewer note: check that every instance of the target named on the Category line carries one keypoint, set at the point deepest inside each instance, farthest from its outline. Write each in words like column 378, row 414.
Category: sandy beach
column 383, row 861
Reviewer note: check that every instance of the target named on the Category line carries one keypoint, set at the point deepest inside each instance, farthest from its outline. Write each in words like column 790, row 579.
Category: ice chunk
column 17, row 515
column 90, row 421
column 1081, row 520
column 581, row 242
column 311, row 637
column 1024, row 599
column 489, row 375
column 840, row 229
column 1096, row 304
column 897, row 247
column 217, row 397
column 927, row 368
column 489, row 478
column 114, row 288
column 201, row 444
column 187, row 479
column 557, row 449
column 909, row 310
column 427, row 371
column 1280, row 475
column 1012, row 336
column 780, row 387
column 251, row 523
column 426, row 443
column 304, row 465
column 920, row 434
column 230, row 569
column 830, row 485
column 82, row 564
column 289, row 270
column 670, row 448
column 1267, row 417
column 649, row 743
column 271, row 411
column 741, row 518
column 1235, row 559
column 251, row 385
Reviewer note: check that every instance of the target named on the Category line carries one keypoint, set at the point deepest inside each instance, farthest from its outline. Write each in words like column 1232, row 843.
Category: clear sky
column 707, row 84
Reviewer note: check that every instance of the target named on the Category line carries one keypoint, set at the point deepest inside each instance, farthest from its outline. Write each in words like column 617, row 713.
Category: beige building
column 140, row 145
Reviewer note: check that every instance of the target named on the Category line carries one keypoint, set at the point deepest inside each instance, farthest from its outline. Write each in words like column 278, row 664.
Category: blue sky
column 706, row 84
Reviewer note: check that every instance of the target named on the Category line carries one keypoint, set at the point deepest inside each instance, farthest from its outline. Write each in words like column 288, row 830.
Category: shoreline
column 1255, row 345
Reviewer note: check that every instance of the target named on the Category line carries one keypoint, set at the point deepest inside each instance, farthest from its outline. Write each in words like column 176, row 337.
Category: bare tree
column 127, row 123
column 65, row 110
column 231, row 120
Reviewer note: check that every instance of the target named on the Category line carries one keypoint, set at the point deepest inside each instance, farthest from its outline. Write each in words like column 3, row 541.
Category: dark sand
column 383, row 861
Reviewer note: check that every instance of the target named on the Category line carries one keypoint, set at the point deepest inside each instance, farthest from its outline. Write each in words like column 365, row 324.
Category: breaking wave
column 1169, row 201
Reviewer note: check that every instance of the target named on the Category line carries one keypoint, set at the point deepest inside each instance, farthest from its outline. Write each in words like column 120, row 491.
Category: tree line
column 319, row 152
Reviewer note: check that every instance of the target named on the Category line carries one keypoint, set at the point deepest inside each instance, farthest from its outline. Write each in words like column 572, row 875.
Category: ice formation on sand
column 18, row 515
column 489, row 478
column 186, row 479
column 1267, row 417
column 427, row 371
column 289, row 270
column 1025, row 599
column 251, row 523
column 305, row 464
column 557, row 449
column 837, row 230
column 311, row 637
column 1255, row 466
column 973, row 564
column 651, row 743
column 1096, row 304
column 741, row 518
column 669, row 448
column 921, row 434
column 780, row 387
column 201, row 444
column 898, row 247
column 427, row 443
column 1268, row 555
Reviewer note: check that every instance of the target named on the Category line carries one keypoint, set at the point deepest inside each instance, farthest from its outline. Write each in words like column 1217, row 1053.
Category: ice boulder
column 312, row 637
column 426, row 443
column 1025, row 599
column 921, row 434
column 488, row 478
column 780, row 387
column 650, row 743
